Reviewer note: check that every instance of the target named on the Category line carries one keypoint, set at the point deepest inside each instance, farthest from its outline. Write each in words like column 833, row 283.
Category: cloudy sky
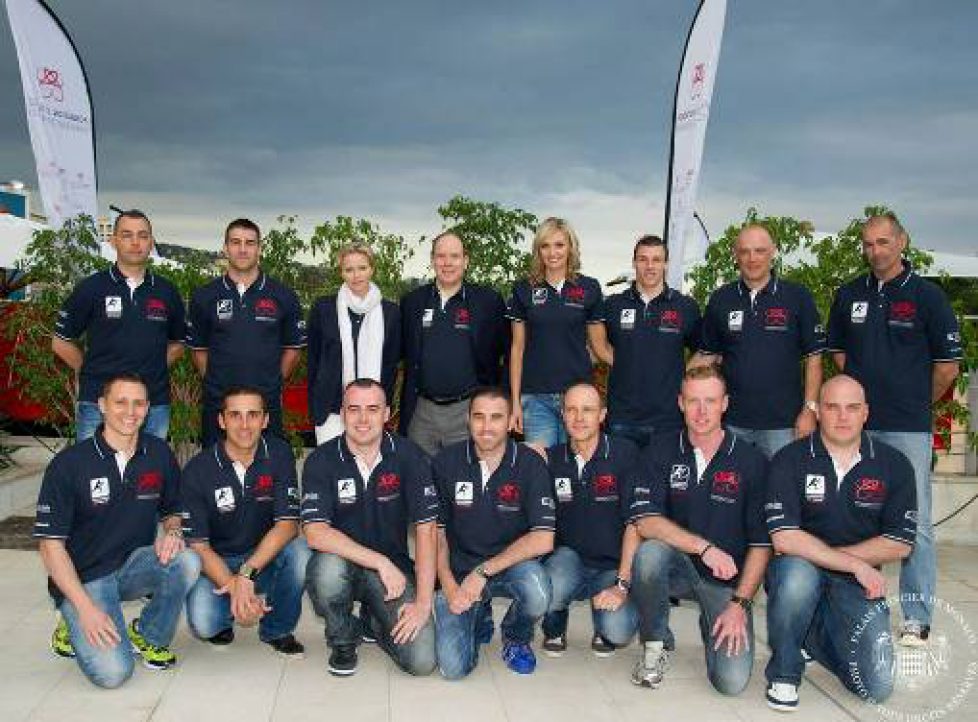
column 385, row 109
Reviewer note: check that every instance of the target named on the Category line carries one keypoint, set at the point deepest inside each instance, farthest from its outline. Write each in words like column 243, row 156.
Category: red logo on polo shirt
column 903, row 311
column 263, row 485
column 776, row 317
column 870, row 491
column 156, row 308
column 605, row 486
column 574, row 293
column 726, row 482
column 149, row 482
column 462, row 316
column 266, row 307
column 508, row 494
column 388, row 485
column 671, row 318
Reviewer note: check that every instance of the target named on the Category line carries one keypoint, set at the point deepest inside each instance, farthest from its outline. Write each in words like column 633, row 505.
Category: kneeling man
column 241, row 512
column 593, row 475
column 839, row 506
column 497, row 519
column 362, row 493
column 97, row 517
column 703, row 514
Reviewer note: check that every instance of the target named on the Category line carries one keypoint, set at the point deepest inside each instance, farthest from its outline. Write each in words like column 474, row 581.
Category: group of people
column 716, row 462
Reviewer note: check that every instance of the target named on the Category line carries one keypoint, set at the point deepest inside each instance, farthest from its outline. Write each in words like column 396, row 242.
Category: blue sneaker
column 519, row 657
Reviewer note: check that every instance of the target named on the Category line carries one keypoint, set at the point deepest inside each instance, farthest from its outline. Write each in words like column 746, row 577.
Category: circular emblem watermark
column 929, row 681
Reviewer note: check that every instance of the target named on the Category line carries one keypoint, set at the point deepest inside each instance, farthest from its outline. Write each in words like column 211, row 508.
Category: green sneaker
column 61, row 640
column 153, row 657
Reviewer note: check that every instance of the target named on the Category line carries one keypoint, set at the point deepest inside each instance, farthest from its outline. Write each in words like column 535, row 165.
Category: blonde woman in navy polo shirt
column 353, row 334
column 556, row 313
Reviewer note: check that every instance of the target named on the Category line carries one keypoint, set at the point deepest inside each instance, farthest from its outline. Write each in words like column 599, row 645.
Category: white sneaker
column 782, row 696
column 651, row 667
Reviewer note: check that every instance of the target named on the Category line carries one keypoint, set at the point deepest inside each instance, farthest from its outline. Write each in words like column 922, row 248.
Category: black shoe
column 287, row 646
column 343, row 661
column 367, row 634
column 601, row 646
column 222, row 638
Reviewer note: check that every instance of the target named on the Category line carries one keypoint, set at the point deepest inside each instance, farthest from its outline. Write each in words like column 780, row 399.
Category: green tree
column 494, row 236
column 55, row 260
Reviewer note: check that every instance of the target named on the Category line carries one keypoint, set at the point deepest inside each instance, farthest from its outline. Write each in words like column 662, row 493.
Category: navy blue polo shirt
column 479, row 523
column 725, row 505
column 374, row 512
column 447, row 367
column 649, row 340
column 127, row 331
column 877, row 497
column 891, row 336
column 102, row 516
column 244, row 335
column 449, row 351
column 593, row 506
column 762, row 343
column 556, row 354
column 233, row 518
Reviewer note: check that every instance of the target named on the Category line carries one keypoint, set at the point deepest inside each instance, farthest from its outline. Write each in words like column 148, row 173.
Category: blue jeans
column 526, row 583
column 88, row 418
column 542, row 419
column 768, row 441
column 828, row 615
column 918, row 573
column 572, row 581
column 140, row 575
column 282, row 582
column 639, row 434
column 335, row 583
column 659, row 571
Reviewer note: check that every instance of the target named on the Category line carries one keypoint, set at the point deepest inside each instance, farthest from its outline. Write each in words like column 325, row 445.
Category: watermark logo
column 930, row 681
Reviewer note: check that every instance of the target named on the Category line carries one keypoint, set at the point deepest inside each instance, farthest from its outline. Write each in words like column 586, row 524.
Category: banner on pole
column 59, row 111
column 694, row 95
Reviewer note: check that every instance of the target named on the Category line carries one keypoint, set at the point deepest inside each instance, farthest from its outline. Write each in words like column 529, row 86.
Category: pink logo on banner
column 51, row 86
column 699, row 80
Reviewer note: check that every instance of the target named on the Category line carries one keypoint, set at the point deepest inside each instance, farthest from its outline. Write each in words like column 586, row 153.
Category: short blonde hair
column 546, row 229
column 355, row 248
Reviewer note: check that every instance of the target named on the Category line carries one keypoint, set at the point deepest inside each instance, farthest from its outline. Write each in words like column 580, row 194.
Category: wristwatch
column 248, row 572
column 812, row 406
column 623, row 584
column 743, row 602
column 483, row 571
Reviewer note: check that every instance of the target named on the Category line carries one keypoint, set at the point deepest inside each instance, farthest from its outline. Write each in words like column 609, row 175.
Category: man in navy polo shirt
column 497, row 519
column 896, row 334
column 702, row 512
column 839, row 506
column 649, row 326
column 97, row 516
column 362, row 493
column 244, row 328
column 455, row 336
column 241, row 512
column 593, row 475
column 761, row 327
column 133, row 321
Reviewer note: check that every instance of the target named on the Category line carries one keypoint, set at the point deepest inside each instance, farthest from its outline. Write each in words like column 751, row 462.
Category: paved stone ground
column 248, row 682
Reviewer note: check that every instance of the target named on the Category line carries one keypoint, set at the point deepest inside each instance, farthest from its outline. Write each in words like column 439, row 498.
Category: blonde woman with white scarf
column 354, row 334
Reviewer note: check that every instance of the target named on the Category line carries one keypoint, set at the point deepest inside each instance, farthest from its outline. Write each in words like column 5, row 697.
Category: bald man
column 839, row 506
column 760, row 327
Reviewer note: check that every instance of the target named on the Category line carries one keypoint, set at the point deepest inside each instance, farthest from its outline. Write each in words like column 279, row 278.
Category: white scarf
column 366, row 361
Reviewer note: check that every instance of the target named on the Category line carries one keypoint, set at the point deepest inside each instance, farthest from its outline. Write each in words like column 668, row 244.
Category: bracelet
column 709, row 545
